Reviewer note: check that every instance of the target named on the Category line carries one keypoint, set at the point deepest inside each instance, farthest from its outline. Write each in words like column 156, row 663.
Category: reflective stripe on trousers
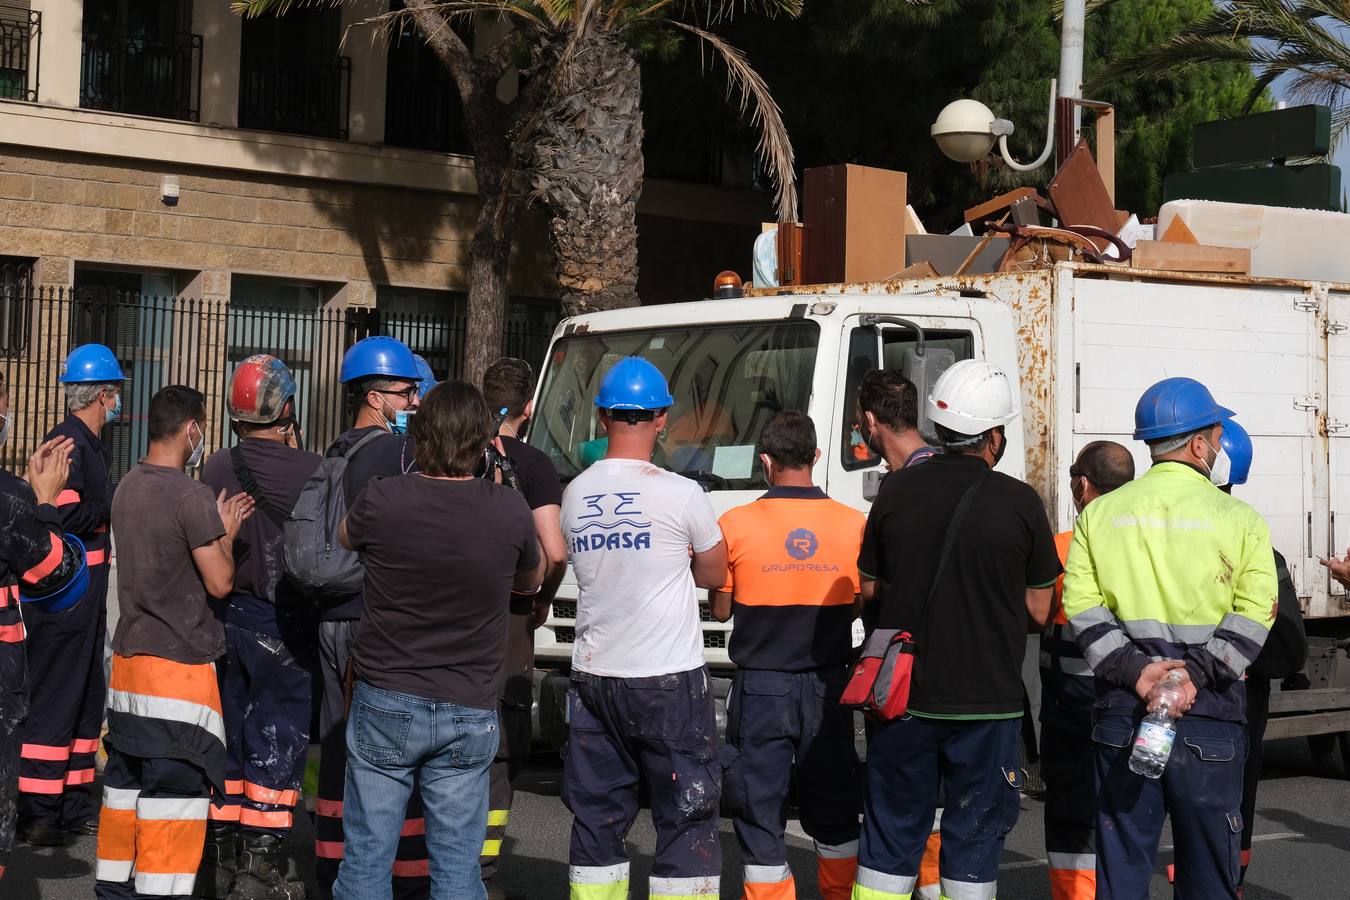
column 768, row 883
column 598, row 882
column 874, row 885
column 1073, row 876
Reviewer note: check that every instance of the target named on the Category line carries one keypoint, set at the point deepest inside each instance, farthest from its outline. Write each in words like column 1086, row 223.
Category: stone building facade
column 167, row 149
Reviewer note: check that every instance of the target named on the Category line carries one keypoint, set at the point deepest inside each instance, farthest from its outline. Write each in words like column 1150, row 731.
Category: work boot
column 88, row 828
column 220, row 860
column 259, row 877
column 43, row 836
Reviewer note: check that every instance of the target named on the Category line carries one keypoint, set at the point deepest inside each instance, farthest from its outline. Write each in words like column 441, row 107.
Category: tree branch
column 449, row 48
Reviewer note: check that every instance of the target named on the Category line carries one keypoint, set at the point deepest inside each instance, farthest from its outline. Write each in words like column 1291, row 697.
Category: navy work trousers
column 12, row 710
column 67, row 689
column 659, row 731
column 266, row 697
column 975, row 762
column 1201, row 789
column 781, row 724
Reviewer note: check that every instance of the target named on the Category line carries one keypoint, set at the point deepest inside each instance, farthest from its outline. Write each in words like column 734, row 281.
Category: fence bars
column 172, row 340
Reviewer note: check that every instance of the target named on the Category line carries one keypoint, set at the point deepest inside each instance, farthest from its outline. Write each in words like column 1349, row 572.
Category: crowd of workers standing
column 417, row 675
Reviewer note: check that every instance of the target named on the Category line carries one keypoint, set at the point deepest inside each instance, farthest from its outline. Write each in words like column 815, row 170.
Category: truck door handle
column 871, row 484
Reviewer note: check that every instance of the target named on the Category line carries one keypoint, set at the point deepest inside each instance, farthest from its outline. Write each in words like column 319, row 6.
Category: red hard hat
column 259, row 390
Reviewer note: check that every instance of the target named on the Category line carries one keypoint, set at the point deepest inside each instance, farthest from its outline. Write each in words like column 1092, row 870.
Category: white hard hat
column 972, row 397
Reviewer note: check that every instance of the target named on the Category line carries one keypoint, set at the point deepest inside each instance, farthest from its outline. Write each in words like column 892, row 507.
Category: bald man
column 1068, row 694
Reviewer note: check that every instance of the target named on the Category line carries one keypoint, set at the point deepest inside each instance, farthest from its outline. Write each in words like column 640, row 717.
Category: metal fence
column 145, row 73
column 298, row 95
column 171, row 340
column 20, row 44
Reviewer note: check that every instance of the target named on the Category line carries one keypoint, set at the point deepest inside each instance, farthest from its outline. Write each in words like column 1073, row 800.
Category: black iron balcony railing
column 20, row 42
column 296, row 95
column 146, row 74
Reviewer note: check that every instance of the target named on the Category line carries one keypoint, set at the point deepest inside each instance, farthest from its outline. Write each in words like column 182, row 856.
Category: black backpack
column 316, row 562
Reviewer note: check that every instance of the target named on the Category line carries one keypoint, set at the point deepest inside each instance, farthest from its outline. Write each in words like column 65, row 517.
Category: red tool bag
column 880, row 679
column 879, row 682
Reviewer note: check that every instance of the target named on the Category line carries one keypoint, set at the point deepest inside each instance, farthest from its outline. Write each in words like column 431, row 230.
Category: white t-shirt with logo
column 628, row 526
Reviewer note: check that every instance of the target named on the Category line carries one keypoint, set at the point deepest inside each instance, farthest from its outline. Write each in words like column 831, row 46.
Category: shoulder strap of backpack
column 948, row 540
column 250, row 485
column 361, row 444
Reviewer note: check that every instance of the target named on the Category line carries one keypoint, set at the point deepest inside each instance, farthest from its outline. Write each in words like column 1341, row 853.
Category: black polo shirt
column 973, row 638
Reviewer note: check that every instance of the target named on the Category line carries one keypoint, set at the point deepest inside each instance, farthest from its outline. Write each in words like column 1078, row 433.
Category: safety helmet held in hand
column 972, row 397
column 1237, row 443
column 63, row 597
column 259, row 390
column 1176, row 406
column 90, row 364
column 634, row 383
column 378, row 357
column 426, row 379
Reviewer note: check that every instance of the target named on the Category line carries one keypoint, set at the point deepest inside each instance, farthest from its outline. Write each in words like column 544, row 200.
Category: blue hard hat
column 1176, row 406
column 68, row 594
column 634, row 383
column 426, row 379
column 90, row 364
column 378, row 357
column 1237, row 443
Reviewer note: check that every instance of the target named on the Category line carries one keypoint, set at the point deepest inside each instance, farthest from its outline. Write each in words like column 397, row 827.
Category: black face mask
column 866, row 434
column 998, row 454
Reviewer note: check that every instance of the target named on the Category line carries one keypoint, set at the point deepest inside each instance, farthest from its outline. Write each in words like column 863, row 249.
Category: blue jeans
column 391, row 738
column 1201, row 789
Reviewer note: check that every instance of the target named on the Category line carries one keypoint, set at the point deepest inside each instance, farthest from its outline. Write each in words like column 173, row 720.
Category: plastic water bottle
column 1158, row 730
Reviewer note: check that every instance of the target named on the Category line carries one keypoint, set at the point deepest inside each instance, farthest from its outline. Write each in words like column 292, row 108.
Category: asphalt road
column 1302, row 845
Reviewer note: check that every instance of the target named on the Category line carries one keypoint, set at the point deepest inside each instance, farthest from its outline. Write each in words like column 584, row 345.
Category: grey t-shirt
column 159, row 516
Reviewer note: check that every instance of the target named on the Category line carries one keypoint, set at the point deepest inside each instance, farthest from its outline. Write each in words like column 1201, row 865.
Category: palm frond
column 1296, row 40
column 710, row 12
column 387, row 23
column 775, row 146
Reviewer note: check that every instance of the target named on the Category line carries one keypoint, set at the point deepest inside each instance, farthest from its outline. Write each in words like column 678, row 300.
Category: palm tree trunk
column 585, row 163
column 489, row 257
column 499, row 198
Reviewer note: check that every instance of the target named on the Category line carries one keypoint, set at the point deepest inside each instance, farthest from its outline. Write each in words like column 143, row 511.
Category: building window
column 422, row 108
column 287, row 320
column 529, row 328
column 291, row 77
column 16, row 304
column 140, row 57
column 20, row 39
column 430, row 322
column 135, row 314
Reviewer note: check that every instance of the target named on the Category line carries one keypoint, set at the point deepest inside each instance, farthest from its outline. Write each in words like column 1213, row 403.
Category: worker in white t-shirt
column 641, row 540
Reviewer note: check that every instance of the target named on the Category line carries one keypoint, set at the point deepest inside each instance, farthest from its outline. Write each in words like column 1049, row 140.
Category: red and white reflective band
column 44, row 752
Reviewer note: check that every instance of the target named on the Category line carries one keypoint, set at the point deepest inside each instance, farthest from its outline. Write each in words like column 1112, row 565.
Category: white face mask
column 1221, row 471
column 5, row 429
column 195, row 459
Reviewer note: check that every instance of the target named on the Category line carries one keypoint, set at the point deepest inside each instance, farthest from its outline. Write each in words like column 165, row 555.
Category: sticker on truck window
column 733, row 462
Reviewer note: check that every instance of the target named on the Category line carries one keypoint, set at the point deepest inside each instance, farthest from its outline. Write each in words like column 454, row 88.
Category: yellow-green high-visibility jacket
column 1171, row 567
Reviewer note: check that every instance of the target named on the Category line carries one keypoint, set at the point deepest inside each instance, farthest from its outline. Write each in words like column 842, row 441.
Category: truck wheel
column 1321, row 746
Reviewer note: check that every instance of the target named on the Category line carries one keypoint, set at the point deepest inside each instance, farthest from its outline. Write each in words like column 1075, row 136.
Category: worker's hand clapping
column 1153, row 674
column 49, row 468
column 1340, row 568
column 233, row 513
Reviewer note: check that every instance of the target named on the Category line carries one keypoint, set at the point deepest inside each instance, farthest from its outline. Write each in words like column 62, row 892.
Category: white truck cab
column 1082, row 343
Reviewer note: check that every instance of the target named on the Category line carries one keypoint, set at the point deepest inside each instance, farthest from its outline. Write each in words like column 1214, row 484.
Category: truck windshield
column 727, row 381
